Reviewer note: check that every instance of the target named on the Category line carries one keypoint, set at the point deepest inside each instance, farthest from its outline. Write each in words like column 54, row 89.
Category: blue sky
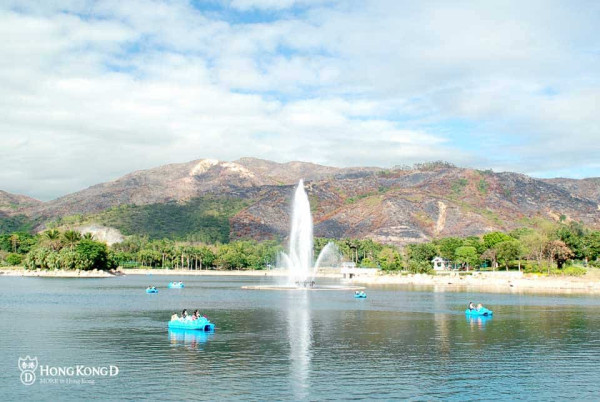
column 91, row 90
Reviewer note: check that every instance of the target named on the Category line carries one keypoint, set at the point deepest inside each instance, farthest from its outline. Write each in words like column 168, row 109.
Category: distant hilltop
column 211, row 200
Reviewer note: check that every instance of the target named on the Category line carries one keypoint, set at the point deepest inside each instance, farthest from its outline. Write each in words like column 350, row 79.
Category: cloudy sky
column 91, row 90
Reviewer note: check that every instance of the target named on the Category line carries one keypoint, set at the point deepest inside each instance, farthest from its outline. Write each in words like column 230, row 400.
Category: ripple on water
column 397, row 344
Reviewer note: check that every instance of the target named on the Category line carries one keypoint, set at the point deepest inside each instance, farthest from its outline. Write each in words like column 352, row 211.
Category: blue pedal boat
column 482, row 312
column 189, row 336
column 201, row 324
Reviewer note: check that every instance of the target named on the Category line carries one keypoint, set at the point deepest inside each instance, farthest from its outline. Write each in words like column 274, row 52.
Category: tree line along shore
column 548, row 248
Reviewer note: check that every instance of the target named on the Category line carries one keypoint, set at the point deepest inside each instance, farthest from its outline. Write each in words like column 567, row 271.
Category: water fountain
column 298, row 262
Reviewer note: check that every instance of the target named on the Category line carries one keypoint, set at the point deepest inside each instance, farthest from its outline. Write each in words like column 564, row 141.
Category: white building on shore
column 440, row 264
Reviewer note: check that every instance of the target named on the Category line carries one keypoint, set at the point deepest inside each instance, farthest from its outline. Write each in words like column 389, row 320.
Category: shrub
column 534, row 268
column 14, row 259
column 570, row 271
column 419, row 267
column 594, row 264
column 36, row 258
column 482, row 186
column 68, row 259
column 368, row 263
column 91, row 254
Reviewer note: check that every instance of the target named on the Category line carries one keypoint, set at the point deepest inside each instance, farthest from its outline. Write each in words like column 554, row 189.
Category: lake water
column 400, row 342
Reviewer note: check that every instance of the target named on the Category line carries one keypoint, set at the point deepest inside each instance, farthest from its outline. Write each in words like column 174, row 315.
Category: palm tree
column 87, row 236
column 53, row 237
column 71, row 238
column 15, row 240
column 52, row 234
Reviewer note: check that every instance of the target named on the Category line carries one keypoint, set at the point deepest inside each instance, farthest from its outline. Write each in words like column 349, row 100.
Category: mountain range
column 212, row 200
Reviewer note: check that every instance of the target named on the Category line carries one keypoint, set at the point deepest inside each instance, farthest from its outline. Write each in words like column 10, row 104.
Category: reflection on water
column 478, row 322
column 189, row 338
column 442, row 324
column 299, row 337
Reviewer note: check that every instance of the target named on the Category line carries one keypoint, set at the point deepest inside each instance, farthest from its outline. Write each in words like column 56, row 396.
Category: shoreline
column 17, row 271
column 497, row 282
column 58, row 273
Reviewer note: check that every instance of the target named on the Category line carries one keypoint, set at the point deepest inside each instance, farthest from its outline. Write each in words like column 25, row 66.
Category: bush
column 419, row 267
column 570, row 271
column 87, row 254
column 389, row 259
column 36, row 258
column 14, row 259
column 91, row 255
column 534, row 268
column 68, row 259
column 367, row 263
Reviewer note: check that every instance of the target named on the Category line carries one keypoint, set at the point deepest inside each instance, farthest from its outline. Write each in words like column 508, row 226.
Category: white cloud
column 93, row 90
column 246, row 5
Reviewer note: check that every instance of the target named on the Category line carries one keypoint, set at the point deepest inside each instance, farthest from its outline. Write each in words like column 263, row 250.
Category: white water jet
column 299, row 259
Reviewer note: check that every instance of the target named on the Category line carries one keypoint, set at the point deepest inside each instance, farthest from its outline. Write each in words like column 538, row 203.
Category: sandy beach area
column 502, row 282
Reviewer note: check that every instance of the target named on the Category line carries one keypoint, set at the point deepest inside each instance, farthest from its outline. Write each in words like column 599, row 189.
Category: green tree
column 592, row 245
column 491, row 255
column 92, row 255
column 534, row 244
column 422, row 252
column 419, row 267
column 15, row 240
column 389, row 259
column 230, row 257
column 448, row 245
column 122, row 258
column 71, row 237
column 149, row 257
column 368, row 263
column 474, row 241
column 508, row 251
column 367, row 248
column 51, row 238
column 493, row 238
column 207, row 257
column 36, row 258
column 467, row 255
column 573, row 235
column 69, row 259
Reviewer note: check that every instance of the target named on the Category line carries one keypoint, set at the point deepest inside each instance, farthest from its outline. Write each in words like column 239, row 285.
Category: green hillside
column 200, row 219
column 17, row 223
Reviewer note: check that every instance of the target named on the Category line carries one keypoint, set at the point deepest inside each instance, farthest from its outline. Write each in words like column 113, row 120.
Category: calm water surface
column 401, row 342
